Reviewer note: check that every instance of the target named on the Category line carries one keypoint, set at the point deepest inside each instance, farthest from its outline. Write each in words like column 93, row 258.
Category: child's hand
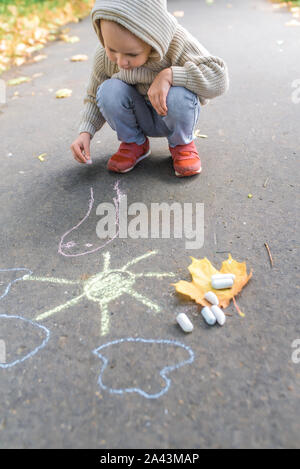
column 159, row 91
column 81, row 148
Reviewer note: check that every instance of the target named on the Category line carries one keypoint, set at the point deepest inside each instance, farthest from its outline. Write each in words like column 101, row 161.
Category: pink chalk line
column 71, row 244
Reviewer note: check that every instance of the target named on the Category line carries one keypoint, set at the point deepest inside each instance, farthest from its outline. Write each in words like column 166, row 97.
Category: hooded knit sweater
column 172, row 47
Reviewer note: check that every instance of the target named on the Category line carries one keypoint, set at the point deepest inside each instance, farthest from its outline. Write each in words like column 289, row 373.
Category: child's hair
column 120, row 25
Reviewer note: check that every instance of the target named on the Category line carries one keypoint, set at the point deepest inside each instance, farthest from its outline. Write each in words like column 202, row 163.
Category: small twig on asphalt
column 270, row 255
column 266, row 182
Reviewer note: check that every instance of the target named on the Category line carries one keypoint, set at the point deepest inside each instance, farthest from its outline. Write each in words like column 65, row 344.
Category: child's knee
column 111, row 92
column 181, row 99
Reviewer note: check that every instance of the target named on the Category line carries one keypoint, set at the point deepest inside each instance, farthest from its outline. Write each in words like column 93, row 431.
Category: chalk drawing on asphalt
column 65, row 248
column 7, row 285
column 105, row 287
column 36, row 349
column 99, row 352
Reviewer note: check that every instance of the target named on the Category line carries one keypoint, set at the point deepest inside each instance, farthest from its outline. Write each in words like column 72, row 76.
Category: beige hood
column 147, row 19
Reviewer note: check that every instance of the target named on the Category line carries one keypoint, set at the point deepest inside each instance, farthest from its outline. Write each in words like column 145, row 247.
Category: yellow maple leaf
column 202, row 270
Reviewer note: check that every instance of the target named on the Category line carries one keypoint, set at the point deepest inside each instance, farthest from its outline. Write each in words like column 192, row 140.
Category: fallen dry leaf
column 198, row 134
column 79, row 58
column 23, row 33
column 42, row 157
column 19, row 61
column 202, row 270
column 63, row 93
column 71, row 39
column 18, row 81
column 39, row 57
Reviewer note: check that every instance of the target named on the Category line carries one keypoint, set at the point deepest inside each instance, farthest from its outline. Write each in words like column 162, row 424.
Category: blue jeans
column 133, row 117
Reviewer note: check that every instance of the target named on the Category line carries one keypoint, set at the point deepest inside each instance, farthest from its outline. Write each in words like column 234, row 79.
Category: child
column 149, row 77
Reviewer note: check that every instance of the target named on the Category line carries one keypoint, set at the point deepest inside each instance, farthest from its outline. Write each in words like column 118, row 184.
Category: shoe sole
column 188, row 173
column 137, row 161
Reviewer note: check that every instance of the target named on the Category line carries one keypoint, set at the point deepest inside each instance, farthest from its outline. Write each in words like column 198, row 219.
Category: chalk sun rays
column 105, row 287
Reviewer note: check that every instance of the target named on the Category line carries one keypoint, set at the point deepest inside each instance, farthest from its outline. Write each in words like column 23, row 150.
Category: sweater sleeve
column 91, row 118
column 195, row 69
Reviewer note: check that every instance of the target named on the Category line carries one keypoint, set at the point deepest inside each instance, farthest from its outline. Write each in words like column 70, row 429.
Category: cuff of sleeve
column 87, row 127
column 180, row 76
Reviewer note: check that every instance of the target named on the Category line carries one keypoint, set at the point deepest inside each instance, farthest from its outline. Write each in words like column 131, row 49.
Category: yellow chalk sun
column 103, row 288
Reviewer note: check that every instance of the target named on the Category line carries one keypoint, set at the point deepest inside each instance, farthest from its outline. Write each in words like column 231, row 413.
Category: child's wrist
column 168, row 74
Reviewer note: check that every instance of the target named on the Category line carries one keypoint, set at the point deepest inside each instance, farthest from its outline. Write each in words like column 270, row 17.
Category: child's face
column 122, row 47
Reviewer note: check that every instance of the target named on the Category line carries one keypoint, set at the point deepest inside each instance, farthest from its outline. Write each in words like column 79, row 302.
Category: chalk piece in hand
column 184, row 322
column 89, row 162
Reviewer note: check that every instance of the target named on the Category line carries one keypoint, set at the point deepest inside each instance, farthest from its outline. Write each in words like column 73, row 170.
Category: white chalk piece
column 184, row 322
column 89, row 162
column 208, row 316
column 218, row 284
column 211, row 298
column 219, row 276
column 219, row 315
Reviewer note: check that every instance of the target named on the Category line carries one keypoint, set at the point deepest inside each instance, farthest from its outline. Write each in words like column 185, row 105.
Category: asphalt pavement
column 88, row 326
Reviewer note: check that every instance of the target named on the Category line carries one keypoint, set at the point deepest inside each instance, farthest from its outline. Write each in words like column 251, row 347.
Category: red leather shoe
column 128, row 156
column 186, row 161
